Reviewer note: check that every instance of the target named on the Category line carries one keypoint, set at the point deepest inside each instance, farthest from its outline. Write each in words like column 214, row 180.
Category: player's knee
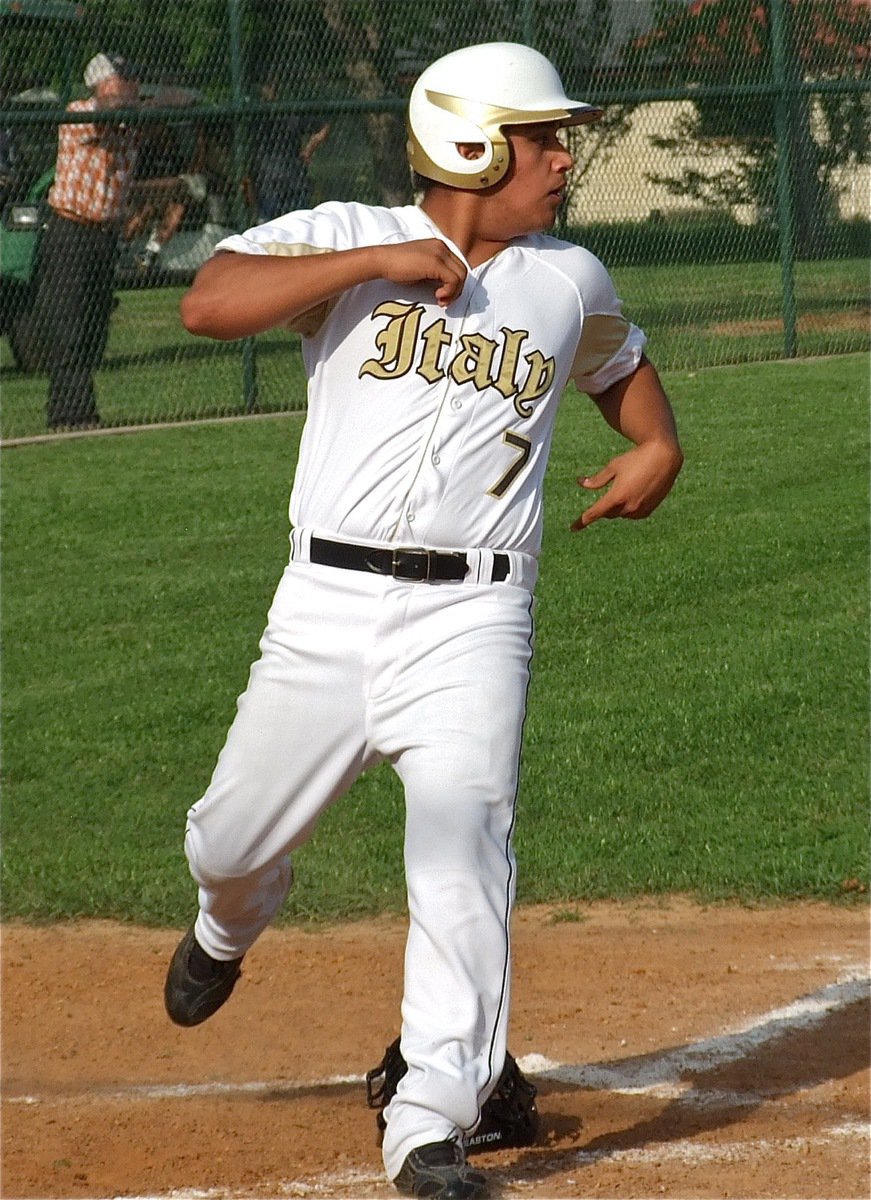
column 463, row 809
column 220, row 870
column 214, row 861
column 467, row 841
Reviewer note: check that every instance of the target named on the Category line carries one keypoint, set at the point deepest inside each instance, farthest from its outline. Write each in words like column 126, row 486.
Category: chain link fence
column 726, row 188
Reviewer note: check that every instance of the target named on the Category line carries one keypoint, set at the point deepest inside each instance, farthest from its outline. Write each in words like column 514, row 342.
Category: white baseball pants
column 356, row 668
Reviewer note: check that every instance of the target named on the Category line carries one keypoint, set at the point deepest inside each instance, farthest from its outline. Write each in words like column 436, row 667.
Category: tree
column 370, row 65
column 730, row 42
column 186, row 40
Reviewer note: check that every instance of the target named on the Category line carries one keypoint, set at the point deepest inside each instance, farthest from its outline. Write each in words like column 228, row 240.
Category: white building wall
column 617, row 187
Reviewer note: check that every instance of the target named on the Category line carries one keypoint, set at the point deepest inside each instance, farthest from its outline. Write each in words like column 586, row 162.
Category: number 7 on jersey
column 524, row 448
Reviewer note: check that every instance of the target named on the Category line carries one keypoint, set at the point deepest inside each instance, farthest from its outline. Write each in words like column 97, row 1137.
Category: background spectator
column 73, row 304
column 282, row 148
column 170, row 174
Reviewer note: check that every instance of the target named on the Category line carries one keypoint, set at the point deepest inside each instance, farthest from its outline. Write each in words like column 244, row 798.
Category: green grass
column 698, row 715
column 701, row 316
column 155, row 371
column 696, row 315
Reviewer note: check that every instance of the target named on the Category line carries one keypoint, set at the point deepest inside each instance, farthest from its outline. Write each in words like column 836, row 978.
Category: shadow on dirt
column 718, row 1082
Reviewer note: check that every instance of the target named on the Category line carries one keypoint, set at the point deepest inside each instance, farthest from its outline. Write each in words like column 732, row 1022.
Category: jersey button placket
column 454, row 406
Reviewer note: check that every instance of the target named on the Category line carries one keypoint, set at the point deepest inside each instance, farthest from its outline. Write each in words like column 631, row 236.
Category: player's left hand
column 639, row 480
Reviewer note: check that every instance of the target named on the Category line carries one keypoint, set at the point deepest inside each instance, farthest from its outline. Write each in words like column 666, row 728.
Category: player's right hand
column 426, row 261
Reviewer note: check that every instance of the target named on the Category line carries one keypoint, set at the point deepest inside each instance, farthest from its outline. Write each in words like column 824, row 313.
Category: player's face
column 534, row 187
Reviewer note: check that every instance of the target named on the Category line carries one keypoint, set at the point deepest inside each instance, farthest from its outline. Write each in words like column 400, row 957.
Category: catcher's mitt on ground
column 509, row 1117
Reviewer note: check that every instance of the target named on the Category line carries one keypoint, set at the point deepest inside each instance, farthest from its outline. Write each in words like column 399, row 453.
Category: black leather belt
column 417, row 566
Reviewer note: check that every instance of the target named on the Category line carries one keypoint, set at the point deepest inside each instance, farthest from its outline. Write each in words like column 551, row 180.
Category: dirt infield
column 679, row 1051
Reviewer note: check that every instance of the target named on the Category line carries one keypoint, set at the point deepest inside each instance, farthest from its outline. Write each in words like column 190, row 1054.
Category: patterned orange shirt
column 94, row 167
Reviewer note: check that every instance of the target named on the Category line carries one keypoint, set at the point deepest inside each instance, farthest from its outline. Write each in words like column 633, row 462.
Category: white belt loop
column 484, row 565
column 300, row 542
column 524, row 571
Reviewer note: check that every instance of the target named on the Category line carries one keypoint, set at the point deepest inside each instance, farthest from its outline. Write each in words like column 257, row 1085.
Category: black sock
column 202, row 966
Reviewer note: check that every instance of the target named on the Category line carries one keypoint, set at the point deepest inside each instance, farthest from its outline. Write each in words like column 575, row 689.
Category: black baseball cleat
column 438, row 1170
column 197, row 984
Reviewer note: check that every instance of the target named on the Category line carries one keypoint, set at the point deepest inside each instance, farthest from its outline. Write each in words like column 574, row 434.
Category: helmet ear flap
column 493, row 166
column 434, row 139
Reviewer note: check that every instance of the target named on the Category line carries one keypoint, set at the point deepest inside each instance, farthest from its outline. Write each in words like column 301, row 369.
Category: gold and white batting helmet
column 469, row 96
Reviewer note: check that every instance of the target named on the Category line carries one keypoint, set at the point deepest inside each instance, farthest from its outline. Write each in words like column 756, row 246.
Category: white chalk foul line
column 689, row 1153
column 686, row 1151
column 189, row 1091
column 665, row 1073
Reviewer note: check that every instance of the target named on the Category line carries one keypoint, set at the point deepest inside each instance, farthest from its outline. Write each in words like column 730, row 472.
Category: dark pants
column 277, row 195
column 73, row 306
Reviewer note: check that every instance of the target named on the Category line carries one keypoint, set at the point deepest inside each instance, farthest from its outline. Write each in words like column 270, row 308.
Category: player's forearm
column 638, row 408
column 639, row 479
column 237, row 295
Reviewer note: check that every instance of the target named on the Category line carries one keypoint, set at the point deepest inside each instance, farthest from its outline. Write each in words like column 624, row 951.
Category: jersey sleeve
column 326, row 227
column 610, row 346
column 309, row 231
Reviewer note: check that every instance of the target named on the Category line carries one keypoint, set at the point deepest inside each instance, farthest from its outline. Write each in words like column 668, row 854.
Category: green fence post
column 781, row 50
column 240, row 158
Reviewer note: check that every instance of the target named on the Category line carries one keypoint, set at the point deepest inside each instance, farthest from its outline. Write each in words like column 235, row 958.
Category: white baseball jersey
column 429, row 426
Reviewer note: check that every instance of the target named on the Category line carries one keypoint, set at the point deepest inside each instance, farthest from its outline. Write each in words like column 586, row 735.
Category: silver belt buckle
column 412, row 566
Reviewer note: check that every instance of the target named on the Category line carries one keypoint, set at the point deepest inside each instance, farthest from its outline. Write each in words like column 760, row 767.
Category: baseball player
column 437, row 339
